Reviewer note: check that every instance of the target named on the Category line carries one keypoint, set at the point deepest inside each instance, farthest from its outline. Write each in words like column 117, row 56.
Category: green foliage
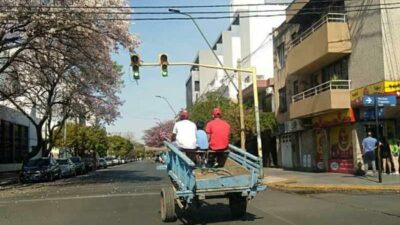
column 81, row 139
column 201, row 111
column 119, row 146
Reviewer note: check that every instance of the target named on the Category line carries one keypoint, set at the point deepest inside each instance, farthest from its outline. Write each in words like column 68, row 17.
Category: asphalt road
column 129, row 194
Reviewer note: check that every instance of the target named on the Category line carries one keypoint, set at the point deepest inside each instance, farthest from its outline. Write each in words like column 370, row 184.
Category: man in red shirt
column 218, row 132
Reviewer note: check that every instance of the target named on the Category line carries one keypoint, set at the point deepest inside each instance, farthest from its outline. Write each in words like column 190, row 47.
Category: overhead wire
column 315, row 9
column 215, row 17
column 174, row 6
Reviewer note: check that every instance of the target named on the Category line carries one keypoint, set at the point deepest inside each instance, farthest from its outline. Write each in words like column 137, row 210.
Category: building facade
column 248, row 40
column 327, row 56
column 17, row 138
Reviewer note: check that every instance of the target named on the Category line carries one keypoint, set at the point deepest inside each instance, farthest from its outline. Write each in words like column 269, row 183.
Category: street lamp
column 169, row 104
column 177, row 11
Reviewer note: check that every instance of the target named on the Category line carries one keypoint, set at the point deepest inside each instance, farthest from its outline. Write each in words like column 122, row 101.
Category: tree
column 119, row 146
column 59, row 62
column 82, row 139
column 201, row 111
column 155, row 136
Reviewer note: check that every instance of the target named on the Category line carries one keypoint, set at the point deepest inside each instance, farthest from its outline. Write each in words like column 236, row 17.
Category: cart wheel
column 167, row 203
column 238, row 205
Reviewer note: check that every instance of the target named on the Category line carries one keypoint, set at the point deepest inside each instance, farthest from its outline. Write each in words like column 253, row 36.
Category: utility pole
column 240, row 97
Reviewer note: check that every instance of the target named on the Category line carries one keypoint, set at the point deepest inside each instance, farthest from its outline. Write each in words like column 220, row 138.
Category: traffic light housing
column 135, row 62
column 164, row 65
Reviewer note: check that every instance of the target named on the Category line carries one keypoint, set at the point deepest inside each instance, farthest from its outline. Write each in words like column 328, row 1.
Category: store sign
column 384, row 100
column 332, row 119
column 392, row 86
column 380, row 88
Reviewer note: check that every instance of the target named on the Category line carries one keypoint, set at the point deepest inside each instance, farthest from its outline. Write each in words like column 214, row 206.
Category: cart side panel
column 239, row 182
column 180, row 169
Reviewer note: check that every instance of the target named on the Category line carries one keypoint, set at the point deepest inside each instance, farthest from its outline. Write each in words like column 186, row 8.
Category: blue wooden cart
column 238, row 181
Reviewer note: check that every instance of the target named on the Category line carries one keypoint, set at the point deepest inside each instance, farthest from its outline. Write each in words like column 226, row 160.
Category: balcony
column 328, row 96
column 323, row 43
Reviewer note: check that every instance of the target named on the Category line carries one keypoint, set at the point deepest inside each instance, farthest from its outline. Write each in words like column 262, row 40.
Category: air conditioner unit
column 269, row 90
column 293, row 126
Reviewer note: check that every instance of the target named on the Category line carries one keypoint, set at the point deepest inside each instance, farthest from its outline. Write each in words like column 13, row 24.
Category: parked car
column 40, row 169
column 79, row 165
column 89, row 164
column 115, row 161
column 102, row 163
column 67, row 167
column 109, row 161
column 123, row 161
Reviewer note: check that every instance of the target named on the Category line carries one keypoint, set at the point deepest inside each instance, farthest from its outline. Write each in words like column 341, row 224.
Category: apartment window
column 295, row 87
column 336, row 71
column 282, row 100
column 197, row 85
column 281, row 54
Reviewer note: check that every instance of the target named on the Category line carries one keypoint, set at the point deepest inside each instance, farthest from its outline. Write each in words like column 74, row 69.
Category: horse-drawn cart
column 238, row 181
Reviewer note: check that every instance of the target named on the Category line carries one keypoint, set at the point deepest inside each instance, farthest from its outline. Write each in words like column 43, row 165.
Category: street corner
column 294, row 187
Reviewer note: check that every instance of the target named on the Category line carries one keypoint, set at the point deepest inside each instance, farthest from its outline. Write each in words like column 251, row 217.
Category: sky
column 181, row 41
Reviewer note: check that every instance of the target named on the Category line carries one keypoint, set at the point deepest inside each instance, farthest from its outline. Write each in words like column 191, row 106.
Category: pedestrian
column 202, row 143
column 218, row 132
column 386, row 157
column 184, row 133
column 369, row 145
column 394, row 149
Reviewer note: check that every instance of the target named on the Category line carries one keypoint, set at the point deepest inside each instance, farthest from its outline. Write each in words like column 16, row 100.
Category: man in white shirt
column 184, row 132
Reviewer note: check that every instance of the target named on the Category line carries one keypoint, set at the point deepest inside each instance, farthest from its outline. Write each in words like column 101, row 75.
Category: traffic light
column 164, row 65
column 135, row 62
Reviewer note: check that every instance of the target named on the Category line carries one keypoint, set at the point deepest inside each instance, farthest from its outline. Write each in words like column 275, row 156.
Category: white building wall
column 250, row 41
column 206, row 75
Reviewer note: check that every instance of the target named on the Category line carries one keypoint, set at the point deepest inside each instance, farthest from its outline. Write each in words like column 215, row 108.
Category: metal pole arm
column 249, row 70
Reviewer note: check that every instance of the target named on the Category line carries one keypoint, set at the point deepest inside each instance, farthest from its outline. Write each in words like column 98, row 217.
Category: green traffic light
column 136, row 75
column 164, row 70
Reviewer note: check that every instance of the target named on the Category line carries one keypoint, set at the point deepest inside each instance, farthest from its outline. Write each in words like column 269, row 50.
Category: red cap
column 216, row 112
column 184, row 114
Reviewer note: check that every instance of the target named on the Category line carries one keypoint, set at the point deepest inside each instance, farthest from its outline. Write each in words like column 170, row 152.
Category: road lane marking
column 79, row 197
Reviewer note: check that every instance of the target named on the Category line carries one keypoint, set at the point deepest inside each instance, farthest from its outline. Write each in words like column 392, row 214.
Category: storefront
column 387, row 124
column 334, row 141
column 297, row 146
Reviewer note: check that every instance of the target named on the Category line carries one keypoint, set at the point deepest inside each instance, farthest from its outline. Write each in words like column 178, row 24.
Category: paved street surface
column 129, row 194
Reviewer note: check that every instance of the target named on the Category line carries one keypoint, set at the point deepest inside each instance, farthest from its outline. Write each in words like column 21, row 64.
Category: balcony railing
column 330, row 17
column 328, row 86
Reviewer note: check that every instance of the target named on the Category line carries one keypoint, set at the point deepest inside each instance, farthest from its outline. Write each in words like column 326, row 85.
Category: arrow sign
column 369, row 100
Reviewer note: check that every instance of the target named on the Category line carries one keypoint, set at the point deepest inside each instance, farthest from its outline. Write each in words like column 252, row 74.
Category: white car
column 115, row 161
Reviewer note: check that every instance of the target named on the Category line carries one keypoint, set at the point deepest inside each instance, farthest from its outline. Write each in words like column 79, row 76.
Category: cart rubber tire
column 238, row 205
column 167, row 205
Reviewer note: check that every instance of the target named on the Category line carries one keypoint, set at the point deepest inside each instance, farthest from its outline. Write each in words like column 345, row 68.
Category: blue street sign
column 382, row 100
column 369, row 113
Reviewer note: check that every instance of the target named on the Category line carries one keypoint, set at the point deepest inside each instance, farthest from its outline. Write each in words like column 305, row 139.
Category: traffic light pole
column 255, row 93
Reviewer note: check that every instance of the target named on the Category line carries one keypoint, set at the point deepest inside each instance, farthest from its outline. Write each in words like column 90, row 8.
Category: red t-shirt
column 219, row 131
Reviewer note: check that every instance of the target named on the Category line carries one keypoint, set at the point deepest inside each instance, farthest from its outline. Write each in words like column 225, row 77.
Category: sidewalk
column 309, row 182
column 7, row 178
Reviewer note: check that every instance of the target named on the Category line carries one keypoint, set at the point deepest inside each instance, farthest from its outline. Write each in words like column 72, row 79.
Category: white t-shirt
column 185, row 131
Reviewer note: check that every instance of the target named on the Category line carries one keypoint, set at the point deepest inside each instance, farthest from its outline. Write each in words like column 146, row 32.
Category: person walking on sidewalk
column 395, row 150
column 369, row 145
column 386, row 156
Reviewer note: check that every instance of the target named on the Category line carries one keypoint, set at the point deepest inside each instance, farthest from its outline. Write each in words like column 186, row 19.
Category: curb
column 326, row 188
